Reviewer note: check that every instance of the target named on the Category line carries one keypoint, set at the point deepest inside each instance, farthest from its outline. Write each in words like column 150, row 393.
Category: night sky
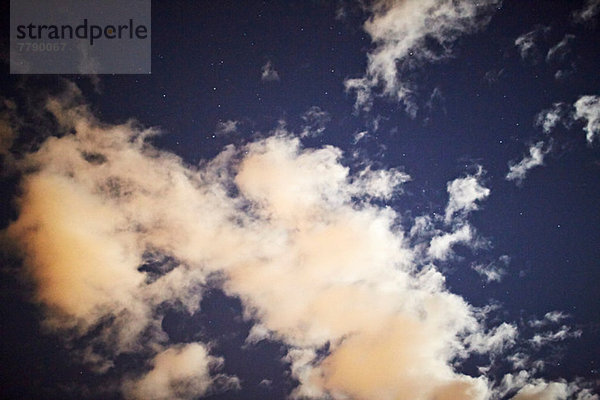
column 338, row 199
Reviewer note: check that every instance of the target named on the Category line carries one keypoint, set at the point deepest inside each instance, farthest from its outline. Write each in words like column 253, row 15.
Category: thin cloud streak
column 400, row 30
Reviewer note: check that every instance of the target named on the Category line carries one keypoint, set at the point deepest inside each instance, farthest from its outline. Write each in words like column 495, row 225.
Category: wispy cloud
column 588, row 108
column 563, row 333
column 440, row 247
column 552, row 317
column 464, row 195
column 227, row 127
column 315, row 120
column 559, row 51
column 566, row 73
column 268, row 73
column 436, row 235
column 401, row 32
column 522, row 386
column 358, row 136
column 549, row 118
column 527, row 43
column 588, row 12
column 491, row 272
column 518, row 171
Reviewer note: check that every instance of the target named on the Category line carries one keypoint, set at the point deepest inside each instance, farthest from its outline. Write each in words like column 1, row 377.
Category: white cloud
column 440, row 247
column 305, row 254
column 548, row 119
column 436, row 99
column 315, row 120
column 542, row 391
column 505, row 259
column 491, row 272
column 177, row 373
column 359, row 136
column 464, row 195
column 562, row 74
column 518, row 360
column 584, row 393
column 523, row 386
column 588, row 12
column 92, row 210
column 422, row 227
column 496, row 341
column 555, row 316
column 227, row 127
column 559, row 51
column 381, row 183
column 518, row 171
column 266, row 383
column 268, row 73
column 400, row 31
column 541, row 339
column 527, row 43
column 552, row 317
column 312, row 259
column 588, row 108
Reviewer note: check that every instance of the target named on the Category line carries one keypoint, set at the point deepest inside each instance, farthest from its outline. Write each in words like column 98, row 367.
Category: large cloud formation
column 112, row 229
column 407, row 34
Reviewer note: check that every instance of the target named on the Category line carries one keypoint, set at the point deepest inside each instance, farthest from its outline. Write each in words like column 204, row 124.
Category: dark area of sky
column 206, row 68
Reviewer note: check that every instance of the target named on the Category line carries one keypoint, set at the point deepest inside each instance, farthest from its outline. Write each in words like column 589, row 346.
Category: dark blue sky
column 476, row 108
